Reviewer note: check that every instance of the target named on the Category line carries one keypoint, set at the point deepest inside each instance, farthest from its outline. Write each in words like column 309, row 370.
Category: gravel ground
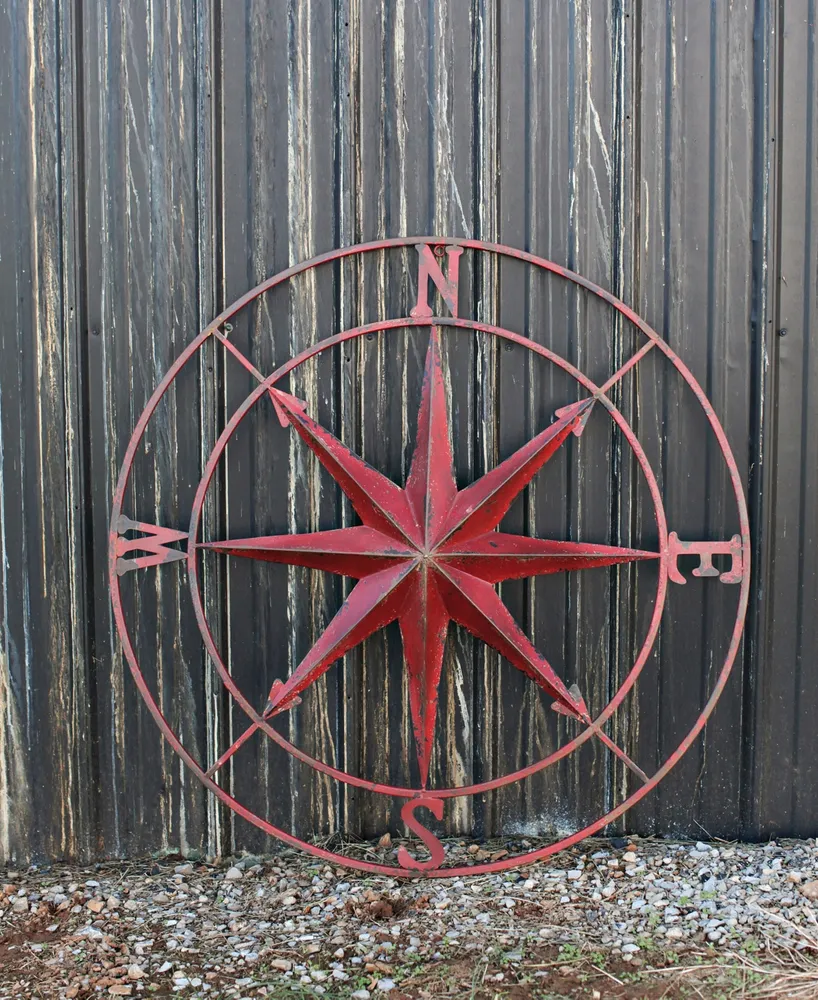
column 608, row 919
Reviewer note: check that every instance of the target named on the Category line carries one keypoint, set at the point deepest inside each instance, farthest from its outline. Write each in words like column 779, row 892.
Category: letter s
column 407, row 813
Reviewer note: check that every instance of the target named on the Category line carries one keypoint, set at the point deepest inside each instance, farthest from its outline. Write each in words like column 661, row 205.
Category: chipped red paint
column 152, row 539
column 446, row 284
column 435, row 848
column 428, row 553
column 705, row 551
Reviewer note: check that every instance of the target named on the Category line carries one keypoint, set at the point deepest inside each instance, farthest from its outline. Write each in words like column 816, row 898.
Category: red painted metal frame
column 568, row 702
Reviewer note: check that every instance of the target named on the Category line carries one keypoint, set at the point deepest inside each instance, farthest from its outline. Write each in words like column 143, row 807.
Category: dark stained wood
column 552, row 127
column 141, row 271
column 158, row 161
column 782, row 764
column 44, row 753
column 256, row 200
column 694, row 241
column 314, row 499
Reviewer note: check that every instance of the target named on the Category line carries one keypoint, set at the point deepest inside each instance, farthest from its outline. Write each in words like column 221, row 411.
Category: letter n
column 428, row 267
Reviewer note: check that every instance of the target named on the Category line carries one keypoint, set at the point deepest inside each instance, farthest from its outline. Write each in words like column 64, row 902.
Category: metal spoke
column 241, row 358
column 600, row 733
column 630, row 363
column 620, row 753
column 245, row 736
column 237, row 744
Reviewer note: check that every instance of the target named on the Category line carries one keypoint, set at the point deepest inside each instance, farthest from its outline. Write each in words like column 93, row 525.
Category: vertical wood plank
column 43, row 707
column 695, row 287
column 556, row 125
column 784, row 686
column 417, row 159
column 314, row 498
column 210, row 230
column 141, row 191
column 260, row 642
column 454, row 181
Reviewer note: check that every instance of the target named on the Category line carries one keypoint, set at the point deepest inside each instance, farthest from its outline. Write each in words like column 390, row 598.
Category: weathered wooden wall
column 157, row 160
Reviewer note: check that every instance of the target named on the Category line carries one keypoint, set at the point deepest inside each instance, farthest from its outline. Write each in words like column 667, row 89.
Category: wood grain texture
column 693, row 243
column 781, row 760
column 44, row 706
column 142, row 261
column 156, row 161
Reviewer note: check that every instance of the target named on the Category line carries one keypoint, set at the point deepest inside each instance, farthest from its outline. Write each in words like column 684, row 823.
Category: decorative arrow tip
column 579, row 701
column 579, row 710
column 578, row 411
column 275, row 707
column 286, row 405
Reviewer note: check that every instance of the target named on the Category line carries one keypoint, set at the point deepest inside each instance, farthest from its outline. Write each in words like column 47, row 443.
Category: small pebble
column 810, row 889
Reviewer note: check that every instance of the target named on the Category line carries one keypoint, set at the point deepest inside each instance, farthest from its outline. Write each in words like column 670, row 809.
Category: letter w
column 157, row 542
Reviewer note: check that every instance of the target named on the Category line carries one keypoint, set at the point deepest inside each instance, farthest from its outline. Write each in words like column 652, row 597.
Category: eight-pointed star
column 427, row 555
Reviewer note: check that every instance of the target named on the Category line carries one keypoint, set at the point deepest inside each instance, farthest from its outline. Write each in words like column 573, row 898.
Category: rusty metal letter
column 407, row 813
column 428, row 267
column 705, row 551
column 157, row 542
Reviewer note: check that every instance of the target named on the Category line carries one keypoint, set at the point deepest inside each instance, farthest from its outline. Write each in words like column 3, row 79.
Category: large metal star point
column 429, row 554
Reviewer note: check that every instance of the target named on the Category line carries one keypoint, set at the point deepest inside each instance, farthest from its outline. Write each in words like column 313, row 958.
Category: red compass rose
column 424, row 555
column 429, row 554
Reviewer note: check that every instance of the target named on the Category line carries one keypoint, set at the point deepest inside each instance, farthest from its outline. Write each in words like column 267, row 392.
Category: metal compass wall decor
column 427, row 553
